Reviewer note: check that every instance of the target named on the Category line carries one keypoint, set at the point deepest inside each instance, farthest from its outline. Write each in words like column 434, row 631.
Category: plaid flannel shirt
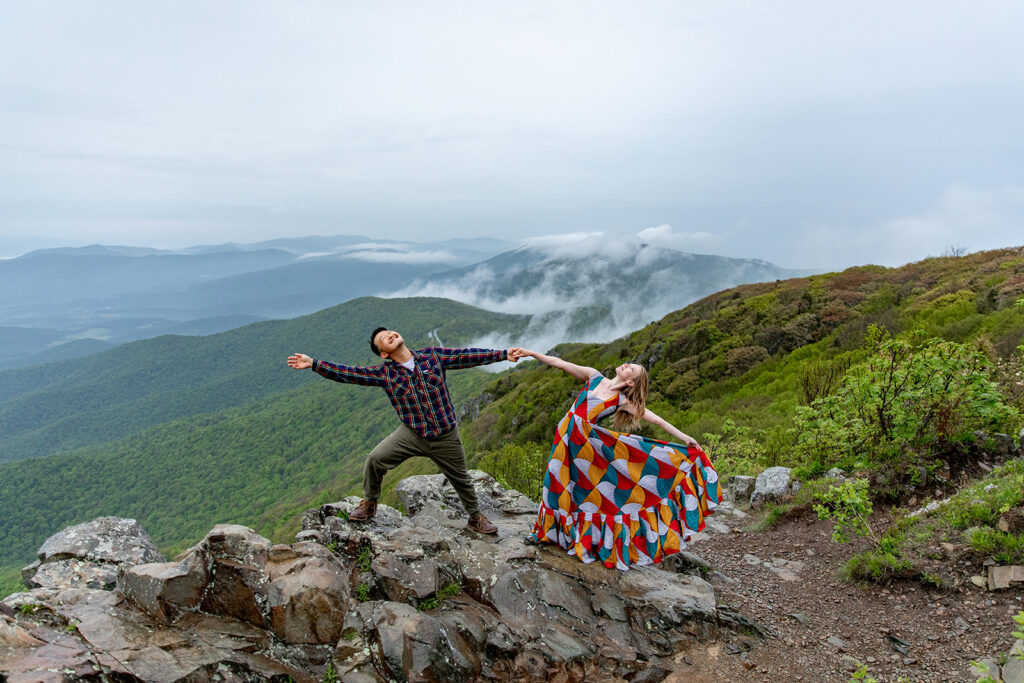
column 420, row 396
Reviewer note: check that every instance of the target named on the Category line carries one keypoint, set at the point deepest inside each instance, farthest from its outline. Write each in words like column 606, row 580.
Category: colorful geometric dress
column 620, row 498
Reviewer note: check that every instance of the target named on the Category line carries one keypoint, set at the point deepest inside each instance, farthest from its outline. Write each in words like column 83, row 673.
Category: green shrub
column 849, row 507
column 910, row 401
column 1005, row 548
column 876, row 566
column 365, row 559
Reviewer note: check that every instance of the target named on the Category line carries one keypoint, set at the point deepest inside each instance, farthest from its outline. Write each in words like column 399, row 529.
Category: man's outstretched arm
column 468, row 358
column 351, row 374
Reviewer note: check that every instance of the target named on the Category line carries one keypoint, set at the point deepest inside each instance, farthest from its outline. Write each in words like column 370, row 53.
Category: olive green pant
column 446, row 451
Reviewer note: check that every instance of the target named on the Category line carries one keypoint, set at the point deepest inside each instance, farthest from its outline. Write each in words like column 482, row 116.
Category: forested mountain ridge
column 71, row 404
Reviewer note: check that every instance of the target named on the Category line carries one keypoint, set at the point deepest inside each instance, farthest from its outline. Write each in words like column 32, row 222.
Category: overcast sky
column 810, row 134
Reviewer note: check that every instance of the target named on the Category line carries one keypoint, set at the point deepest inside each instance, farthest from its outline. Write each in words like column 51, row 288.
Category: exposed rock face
column 524, row 612
column 415, row 492
column 417, row 598
column 106, row 539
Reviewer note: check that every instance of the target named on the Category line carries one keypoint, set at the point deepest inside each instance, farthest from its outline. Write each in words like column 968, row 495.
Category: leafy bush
column 920, row 397
column 735, row 451
column 820, row 378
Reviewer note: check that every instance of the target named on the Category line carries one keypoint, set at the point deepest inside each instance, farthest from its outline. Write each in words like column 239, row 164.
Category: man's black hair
column 373, row 337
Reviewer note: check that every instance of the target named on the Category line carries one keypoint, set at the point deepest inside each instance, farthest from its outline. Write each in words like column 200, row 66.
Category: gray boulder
column 166, row 590
column 72, row 574
column 308, row 594
column 299, row 592
column 998, row 444
column 88, row 555
column 414, row 645
column 740, row 489
column 772, row 484
column 105, row 539
column 1013, row 669
column 1004, row 444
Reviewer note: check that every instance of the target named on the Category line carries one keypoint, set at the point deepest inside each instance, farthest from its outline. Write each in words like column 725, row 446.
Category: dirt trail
column 786, row 580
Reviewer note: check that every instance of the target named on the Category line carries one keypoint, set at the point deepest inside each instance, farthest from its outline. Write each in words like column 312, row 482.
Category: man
column 415, row 383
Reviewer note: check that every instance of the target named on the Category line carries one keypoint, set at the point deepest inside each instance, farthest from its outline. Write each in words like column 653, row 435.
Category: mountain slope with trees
column 753, row 353
column 71, row 404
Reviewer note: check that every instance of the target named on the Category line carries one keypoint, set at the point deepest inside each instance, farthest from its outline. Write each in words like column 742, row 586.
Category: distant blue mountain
column 116, row 294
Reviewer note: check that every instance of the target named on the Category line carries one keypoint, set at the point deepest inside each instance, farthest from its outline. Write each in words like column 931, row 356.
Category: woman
column 617, row 497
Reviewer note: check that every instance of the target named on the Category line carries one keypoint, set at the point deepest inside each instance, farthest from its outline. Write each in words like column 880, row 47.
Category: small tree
column 849, row 507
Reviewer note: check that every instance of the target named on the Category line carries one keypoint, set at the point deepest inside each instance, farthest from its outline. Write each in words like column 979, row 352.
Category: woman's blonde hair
column 636, row 393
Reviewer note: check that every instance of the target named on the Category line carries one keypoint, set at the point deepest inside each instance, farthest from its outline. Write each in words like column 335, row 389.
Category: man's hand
column 300, row 361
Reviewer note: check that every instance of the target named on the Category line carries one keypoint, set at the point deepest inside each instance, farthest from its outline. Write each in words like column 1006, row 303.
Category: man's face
column 388, row 341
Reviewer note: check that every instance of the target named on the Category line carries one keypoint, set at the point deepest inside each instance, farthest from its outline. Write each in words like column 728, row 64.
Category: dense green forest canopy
column 259, row 465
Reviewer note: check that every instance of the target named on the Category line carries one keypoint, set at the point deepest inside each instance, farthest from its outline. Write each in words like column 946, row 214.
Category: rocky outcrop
column 88, row 555
column 516, row 611
column 404, row 598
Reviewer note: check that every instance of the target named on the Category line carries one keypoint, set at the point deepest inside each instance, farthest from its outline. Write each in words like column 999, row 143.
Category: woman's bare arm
column 577, row 371
column 650, row 416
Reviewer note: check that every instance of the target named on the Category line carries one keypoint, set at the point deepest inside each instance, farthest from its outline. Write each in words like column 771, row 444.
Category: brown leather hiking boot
column 481, row 524
column 366, row 510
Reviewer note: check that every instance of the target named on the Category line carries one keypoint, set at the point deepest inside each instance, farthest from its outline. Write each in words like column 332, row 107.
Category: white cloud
column 607, row 245
column 402, row 256
column 664, row 236
column 583, row 269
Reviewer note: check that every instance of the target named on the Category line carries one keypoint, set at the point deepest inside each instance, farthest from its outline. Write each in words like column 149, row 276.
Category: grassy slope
column 739, row 354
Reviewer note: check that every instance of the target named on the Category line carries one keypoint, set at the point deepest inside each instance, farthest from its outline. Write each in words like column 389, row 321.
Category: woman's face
column 627, row 372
